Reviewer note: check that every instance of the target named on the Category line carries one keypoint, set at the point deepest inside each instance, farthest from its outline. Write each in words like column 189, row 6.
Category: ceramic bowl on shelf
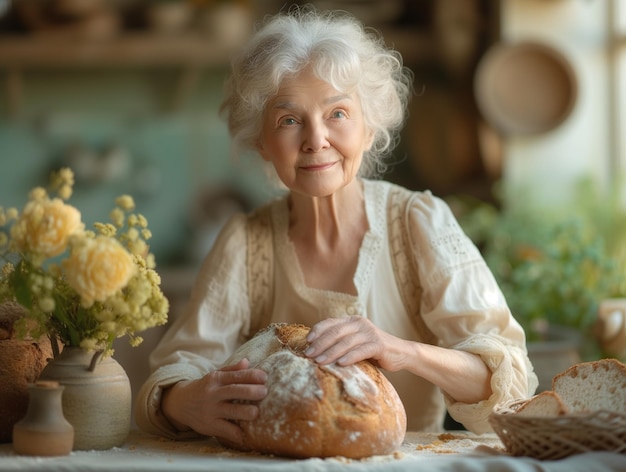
column 526, row 88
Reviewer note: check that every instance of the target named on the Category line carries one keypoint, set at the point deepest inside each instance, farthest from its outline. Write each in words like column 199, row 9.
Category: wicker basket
column 550, row 438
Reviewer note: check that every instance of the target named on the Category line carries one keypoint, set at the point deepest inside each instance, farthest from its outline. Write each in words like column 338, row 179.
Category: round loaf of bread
column 314, row 410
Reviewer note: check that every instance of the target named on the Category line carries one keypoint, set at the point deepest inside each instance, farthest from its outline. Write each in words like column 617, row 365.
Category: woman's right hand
column 208, row 405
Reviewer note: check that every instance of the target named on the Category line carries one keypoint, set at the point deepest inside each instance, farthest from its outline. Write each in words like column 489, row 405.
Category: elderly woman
column 378, row 272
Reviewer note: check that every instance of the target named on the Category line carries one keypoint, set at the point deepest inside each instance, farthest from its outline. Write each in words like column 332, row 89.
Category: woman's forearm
column 462, row 375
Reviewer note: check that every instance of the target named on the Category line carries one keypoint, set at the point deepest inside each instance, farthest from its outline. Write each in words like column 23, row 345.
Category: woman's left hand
column 351, row 339
column 348, row 340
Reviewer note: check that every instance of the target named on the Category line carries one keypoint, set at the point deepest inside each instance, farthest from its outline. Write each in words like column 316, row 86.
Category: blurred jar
column 172, row 17
column 228, row 23
column 610, row 328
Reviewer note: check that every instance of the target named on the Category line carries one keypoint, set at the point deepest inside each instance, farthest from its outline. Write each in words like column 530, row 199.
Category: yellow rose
column 97, row 268
column 45, row 225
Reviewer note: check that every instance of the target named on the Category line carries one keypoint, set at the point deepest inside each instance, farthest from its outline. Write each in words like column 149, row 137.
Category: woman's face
column 314, row 136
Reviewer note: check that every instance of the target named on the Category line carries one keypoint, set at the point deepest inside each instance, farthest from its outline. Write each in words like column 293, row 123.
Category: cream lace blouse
column 461, row 305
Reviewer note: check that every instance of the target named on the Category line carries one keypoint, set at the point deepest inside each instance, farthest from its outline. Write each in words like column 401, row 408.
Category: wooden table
column 458, row 452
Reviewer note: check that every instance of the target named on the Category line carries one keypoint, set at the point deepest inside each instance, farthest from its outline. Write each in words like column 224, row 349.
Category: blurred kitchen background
column 519, row 107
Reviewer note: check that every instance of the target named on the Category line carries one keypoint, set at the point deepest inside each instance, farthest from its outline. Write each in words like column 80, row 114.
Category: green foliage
column 554, row 265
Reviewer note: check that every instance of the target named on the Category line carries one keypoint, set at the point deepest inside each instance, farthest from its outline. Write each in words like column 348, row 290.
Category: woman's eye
column 339, row 114
column 288, row 121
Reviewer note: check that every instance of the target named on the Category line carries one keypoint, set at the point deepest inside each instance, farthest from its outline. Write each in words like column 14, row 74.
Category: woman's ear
column 261, row 150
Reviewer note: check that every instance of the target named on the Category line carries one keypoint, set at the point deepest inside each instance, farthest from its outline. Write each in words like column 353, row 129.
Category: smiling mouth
column 317, row 167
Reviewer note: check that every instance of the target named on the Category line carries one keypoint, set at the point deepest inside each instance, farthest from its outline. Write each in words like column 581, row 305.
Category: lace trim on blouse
column 387, row 208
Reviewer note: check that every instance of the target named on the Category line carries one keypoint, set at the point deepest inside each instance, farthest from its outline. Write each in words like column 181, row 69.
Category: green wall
column 174, row 152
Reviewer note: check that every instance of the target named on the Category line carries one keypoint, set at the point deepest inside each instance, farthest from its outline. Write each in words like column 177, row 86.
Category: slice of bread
column 544, row 404
column 592, row 386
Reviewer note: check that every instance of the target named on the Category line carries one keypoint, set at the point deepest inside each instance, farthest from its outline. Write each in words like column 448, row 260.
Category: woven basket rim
column 556, row 437
column 578, row 415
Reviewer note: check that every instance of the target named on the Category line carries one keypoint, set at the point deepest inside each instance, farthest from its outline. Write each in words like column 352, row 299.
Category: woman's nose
column 315, row 137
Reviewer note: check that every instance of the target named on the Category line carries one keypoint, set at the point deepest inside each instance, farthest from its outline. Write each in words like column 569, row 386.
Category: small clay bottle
column 44, row 431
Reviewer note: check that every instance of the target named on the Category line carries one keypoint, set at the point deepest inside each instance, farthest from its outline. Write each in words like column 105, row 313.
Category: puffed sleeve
column 204, row 335
column 465, row 309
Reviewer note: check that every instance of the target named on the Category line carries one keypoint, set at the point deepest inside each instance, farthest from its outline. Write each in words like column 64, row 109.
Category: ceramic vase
column 97, row 397
column 44, row 431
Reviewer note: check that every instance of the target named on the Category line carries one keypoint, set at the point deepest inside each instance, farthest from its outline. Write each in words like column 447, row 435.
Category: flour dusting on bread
column 318, row 411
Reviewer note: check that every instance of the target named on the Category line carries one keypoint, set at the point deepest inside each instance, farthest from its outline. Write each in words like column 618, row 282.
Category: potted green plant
column 555, row 266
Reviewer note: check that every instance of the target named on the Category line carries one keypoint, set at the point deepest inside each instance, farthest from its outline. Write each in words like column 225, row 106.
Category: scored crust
column 318, row 411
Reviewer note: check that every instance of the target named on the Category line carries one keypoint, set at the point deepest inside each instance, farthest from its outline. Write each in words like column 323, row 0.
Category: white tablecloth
column 458, row 452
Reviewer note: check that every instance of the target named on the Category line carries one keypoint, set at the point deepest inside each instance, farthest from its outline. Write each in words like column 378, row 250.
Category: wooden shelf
column 190, row 53
column 132, row 50
column 150, row 50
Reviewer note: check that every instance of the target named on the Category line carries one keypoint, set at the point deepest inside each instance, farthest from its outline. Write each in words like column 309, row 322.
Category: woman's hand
column 347, row 340
column 208, row 405
column 350, row 339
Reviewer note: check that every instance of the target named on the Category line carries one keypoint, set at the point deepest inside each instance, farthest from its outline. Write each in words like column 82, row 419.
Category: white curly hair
column 339, row 50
